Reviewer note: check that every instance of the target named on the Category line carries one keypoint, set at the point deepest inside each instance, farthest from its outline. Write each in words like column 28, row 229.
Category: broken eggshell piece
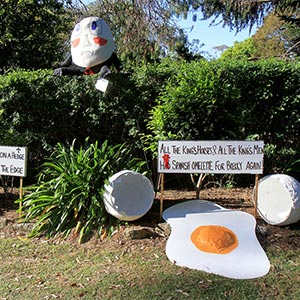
column 128, row 195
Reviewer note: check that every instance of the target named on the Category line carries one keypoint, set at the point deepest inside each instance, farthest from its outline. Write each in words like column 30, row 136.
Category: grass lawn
column 129, row 269
column 122, row 268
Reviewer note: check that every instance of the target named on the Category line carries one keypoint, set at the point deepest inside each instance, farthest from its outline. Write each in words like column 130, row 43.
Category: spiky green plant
column 69, row 191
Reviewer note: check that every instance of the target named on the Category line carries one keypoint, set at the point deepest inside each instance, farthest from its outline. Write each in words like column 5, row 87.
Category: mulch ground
column 283, row 237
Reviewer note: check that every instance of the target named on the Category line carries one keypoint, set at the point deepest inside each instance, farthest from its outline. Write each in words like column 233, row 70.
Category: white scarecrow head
column 91, row 42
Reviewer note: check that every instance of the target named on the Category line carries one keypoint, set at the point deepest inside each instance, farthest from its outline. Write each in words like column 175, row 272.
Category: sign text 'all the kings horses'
column 223, row 157
column 13, row 161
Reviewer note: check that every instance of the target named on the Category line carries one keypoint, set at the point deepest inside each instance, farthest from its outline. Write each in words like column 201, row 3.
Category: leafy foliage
column 188, row 107
column 144, row 30
column 226, row 99
column 243, row 13
column 70, row 188
column 274, row 38
column 40, row 110
column 243, row 50
column 32, row 33
column 233, row 100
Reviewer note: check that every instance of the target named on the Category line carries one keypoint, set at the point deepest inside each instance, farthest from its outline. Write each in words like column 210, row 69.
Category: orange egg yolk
column 214, row 239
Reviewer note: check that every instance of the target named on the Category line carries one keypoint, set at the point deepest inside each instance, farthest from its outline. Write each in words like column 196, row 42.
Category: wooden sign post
column 210, row 157
column 13, row 162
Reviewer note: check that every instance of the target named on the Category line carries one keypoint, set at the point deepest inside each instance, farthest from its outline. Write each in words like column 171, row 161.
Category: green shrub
column 232, row 100
column 39, row 110
column 198, row 103
column 70, row 188
column 168, row 100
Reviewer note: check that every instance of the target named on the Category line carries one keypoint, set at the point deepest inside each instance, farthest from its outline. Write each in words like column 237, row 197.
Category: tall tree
column 143, row 29
column 278, row 37
column 240, row 51
column 292, row 33
column 146, row 29
column 269, row 39
column 30, row 33
column 239, row 14
column 291, row 30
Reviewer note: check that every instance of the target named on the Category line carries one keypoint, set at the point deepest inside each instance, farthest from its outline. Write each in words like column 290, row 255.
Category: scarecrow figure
column 92, row 50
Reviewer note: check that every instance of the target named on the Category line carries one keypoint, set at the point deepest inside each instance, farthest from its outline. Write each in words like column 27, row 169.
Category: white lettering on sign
column 223, row 157
column 13, row 161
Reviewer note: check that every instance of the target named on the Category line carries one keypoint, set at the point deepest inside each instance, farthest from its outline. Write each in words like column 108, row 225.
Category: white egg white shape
column 248, row 260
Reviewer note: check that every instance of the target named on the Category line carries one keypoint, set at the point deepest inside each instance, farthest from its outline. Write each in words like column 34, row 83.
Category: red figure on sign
column 166, row 158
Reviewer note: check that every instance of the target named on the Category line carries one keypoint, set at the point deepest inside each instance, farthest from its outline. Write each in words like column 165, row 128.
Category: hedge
column 234, row 100
column 169, row 100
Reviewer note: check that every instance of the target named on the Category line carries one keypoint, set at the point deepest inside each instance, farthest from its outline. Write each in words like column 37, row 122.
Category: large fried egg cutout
column 207, row 237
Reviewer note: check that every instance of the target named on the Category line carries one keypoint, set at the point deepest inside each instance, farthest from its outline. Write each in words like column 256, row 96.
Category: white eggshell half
column 278, row 200
column 128, row 195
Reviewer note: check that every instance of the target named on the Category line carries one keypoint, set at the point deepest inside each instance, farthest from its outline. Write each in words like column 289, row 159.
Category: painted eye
column 94, row 25
column 77, row 27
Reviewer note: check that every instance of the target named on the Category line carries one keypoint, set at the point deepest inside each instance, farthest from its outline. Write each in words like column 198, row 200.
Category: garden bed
column 285, row 237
